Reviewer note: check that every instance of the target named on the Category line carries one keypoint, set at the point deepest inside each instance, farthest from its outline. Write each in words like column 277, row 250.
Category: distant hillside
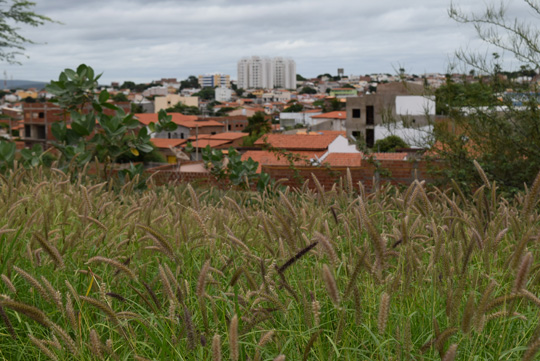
column 22, row 84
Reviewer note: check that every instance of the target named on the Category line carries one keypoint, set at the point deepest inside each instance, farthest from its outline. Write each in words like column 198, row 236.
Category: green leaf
column 146, row 148
column 104, row 96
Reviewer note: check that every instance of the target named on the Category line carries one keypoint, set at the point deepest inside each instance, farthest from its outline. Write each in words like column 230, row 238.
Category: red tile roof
column 201, row 136
column 166, row 143
column 188, row 121
column 265, row 157
column 332, row 115
column 311, row 141
column 344, row 159
column 228, row 136
column 202, row 143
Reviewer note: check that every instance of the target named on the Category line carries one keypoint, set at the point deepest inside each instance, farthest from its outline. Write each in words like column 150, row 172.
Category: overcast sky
column 143, row 40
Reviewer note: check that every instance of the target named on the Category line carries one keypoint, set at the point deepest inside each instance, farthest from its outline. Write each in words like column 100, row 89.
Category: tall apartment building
column 258, row 72
column 215, row 80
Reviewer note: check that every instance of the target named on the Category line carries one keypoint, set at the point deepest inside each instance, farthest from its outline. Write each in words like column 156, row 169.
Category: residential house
column 223, row 94
column 298, row 149
column 170, row 100
column 188, row 125
column 38, row 118
column 393, row 102
column 329, row 121
column 294, row 118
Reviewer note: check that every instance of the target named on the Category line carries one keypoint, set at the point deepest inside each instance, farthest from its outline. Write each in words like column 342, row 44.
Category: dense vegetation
column 90, row 272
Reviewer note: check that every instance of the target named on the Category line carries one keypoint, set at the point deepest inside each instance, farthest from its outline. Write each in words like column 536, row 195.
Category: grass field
column 175, row 273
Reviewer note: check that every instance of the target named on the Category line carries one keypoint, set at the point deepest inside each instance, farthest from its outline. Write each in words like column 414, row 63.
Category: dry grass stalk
column 482, row 174
column 201, row 283
column 43, row 348
column 531, row 350
column 468, row 315
column 8, row 284
column 280, row 358
column 233, row 338
column 162, row 241
column 33, row 282
column 263, row 341
column 55, row 295
column 51, row 250
column 70, row 312
column 523, row 272
column 116, row 264
column 450, row 354
column 532, row 197
column 384, row 310
column 7, row 322
column 103, row 307
column 216, row 348
column 29, row 311
column 66, row 339
column 443, row 337
column 327, row 246
column 331, row 285
column 296, row 257
column 190, row 329
column 167, row 288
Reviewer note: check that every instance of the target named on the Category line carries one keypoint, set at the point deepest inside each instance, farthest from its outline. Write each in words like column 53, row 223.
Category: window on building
column 40, row 131
column 356, row 113
column 229, row 127
column 181, row 135
column 41, row 115
column 213, row 133
column 27, row 131
column 356, row 134
column 370, row 137
column 370, row 115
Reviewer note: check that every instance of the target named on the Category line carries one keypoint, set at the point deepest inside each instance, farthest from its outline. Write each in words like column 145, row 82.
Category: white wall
column 415, row 105
column 299, row 118
column 341, row 145
column 223, row 94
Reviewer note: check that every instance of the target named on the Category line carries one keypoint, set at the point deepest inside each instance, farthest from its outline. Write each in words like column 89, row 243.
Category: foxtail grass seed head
column 216, row 348
column 450, row 354
column 233, row 338
column 331, row 285
column 202, row 279
column 8, row 284
column 384, row 309
column 523, row 272
column 43, row 348
column 280, row 358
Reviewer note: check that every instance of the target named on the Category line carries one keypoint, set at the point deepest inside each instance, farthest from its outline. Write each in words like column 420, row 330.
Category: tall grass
column 93, row 273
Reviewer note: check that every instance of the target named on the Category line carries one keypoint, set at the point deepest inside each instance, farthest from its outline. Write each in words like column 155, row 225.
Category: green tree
column 184, row 109
column 13, row 13
column 128, row 85
column 192, row 82
column 294, row 108
column 501, row 132
column 120, row 97
column 116, row 133
column 307, row 90
column 389, row 144
column 257, row 126
column 206, row 93
column 300, row 78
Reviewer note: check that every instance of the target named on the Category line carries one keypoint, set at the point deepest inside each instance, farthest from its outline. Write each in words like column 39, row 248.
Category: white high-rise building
column 266, row 73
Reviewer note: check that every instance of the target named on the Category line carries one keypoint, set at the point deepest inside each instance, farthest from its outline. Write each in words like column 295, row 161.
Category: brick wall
column 395, row 172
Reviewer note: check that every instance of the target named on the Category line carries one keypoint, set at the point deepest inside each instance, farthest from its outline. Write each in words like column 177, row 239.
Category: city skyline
column 141, row 41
